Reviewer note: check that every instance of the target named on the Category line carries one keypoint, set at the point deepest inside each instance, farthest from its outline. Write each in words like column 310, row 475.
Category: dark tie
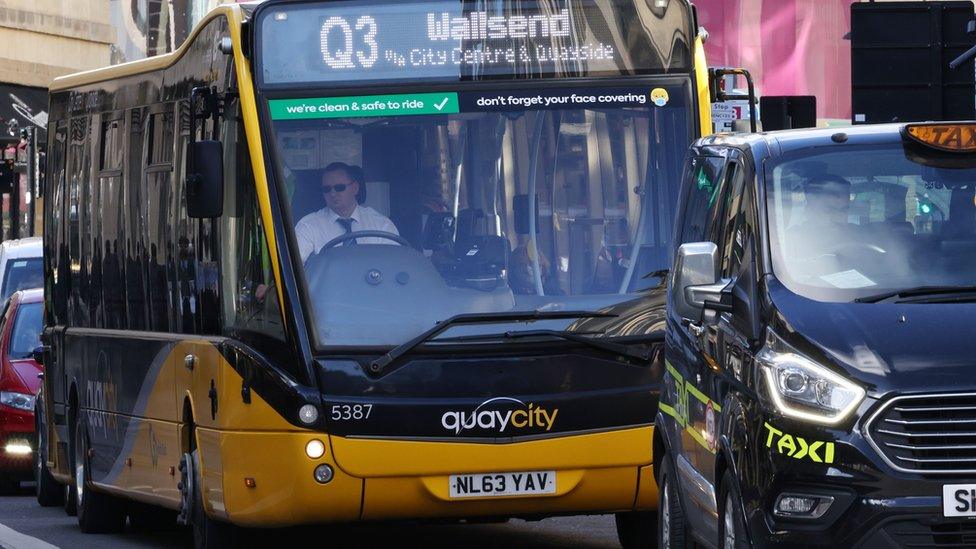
column 346, row 223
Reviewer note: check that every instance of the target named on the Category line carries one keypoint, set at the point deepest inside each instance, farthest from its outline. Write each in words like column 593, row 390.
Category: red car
column 20, row 329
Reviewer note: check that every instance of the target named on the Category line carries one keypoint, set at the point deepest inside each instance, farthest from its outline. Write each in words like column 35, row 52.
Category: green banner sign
column 364, row 105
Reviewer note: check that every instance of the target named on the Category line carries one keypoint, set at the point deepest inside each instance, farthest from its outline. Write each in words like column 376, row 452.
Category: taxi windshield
column 510, row 201
column 861, row 221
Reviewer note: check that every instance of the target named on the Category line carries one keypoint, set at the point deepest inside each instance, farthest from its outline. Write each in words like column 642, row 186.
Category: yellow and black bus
column 356, row 260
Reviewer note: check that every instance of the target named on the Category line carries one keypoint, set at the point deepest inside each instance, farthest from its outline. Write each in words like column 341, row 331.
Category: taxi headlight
column 17, row 400
column 802, row 389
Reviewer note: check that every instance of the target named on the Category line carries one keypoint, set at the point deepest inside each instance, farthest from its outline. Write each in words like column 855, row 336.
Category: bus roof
column 235, row 13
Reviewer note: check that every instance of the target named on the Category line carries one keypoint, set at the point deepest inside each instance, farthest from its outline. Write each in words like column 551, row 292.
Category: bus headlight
column 802, row 389
column 315, row 448
column 19, row 401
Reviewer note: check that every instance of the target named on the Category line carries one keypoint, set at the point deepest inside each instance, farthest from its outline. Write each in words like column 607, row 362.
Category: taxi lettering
column 797, row 447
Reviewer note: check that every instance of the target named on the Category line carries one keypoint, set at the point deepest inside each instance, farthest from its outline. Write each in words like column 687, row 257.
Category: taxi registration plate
column 959, row 500
column 502, row 484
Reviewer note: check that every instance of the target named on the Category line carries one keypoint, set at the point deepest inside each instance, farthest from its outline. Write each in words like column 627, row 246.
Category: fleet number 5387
column 354, row 412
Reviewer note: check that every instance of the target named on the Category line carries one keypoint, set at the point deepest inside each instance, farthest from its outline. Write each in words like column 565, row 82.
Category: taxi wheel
column 671, row 526
column 731, row 524
column 97, row 512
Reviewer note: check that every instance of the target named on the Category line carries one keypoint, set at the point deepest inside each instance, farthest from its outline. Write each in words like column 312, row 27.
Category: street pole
column 15, row 201
column 31, row 177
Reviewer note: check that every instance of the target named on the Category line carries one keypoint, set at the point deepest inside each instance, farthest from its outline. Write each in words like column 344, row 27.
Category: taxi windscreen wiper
column 383, row 362
column 918, row 291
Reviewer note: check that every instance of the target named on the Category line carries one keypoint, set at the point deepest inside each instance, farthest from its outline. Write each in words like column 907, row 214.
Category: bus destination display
column 354, row 41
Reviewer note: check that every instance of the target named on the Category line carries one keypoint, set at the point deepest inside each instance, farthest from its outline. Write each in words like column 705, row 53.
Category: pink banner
column 792, row 47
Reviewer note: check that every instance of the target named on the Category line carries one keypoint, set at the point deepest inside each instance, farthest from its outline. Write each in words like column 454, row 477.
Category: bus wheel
column 70, row 498
column 97, row 512
column 731, row 524
column 207, row 532
column 49, row 493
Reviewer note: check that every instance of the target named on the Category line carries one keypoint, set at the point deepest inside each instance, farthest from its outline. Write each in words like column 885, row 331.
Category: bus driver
column 342, row 213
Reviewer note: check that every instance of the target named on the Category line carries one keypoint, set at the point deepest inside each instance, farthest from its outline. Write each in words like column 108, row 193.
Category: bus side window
column 78, row 167
column 55, row 256
column 185, row 289
column 135, row 248
column 159, row 222
column 110, row 179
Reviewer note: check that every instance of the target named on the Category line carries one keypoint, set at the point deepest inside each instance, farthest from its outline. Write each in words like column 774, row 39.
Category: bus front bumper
column 270, row 481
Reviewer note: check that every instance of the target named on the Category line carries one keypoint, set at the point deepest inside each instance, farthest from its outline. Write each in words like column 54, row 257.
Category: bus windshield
column 864, row 221
column 532, row 199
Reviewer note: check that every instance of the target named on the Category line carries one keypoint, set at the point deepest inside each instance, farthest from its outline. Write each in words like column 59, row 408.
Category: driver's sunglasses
column 338, row 188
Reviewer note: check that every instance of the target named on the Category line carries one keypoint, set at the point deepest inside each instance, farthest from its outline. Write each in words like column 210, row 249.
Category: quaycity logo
column 501, row 414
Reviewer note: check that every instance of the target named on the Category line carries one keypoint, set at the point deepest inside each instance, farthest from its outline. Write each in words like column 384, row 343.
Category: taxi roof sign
column 949, row 137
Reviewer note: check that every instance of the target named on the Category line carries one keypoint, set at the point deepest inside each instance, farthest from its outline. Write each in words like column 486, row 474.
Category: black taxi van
column 820, row 386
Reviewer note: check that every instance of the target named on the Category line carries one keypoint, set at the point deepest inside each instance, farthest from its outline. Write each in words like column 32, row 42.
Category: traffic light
column 924, row 206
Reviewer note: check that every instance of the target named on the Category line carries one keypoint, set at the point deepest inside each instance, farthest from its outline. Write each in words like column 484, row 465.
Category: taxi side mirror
column 697, row 286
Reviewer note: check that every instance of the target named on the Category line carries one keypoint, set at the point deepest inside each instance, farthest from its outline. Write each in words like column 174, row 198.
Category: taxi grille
column 930, row 434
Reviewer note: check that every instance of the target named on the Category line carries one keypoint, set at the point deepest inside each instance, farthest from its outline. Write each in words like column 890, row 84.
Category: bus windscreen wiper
column 381, row 363
column 639, row 358
column 918, row 291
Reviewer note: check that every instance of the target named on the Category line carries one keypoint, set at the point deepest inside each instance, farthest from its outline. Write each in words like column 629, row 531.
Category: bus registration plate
column 502, row 484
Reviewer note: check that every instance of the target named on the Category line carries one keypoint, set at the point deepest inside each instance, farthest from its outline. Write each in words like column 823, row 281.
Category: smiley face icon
column 660, row 97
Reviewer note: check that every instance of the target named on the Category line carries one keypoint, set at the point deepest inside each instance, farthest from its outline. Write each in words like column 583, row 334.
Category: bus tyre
column 672, row 530
column 70, row 500
column 97, row 512
column 49, row 493
column 208, row 533
column 731, row 524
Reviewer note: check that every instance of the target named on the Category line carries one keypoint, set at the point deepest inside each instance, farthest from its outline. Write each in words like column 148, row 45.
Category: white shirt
column 318, row 228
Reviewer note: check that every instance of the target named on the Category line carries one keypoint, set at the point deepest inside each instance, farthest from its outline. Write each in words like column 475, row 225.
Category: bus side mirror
column 205, row 179
column 697, row 285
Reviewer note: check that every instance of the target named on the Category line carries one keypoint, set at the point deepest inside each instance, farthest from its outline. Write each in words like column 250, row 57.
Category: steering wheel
column 366, row 234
